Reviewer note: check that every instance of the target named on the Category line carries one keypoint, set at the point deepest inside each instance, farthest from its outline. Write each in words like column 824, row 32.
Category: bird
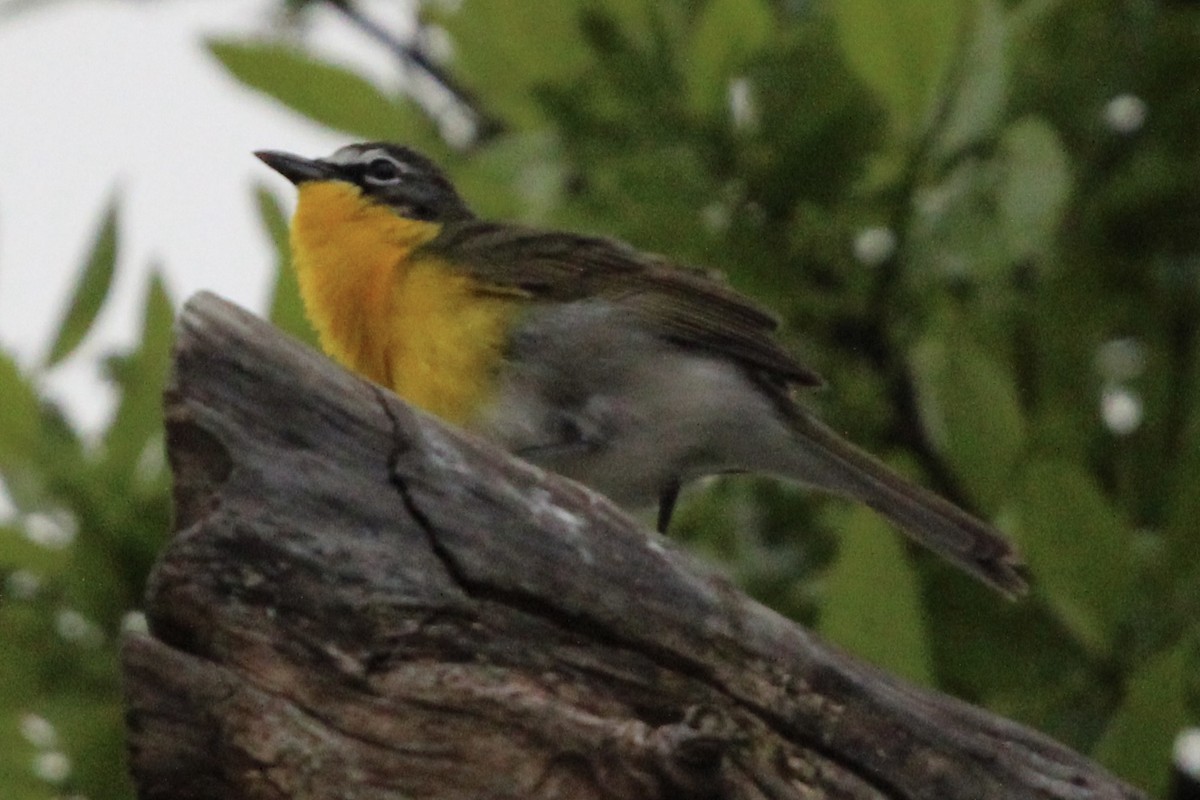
column 614, row 367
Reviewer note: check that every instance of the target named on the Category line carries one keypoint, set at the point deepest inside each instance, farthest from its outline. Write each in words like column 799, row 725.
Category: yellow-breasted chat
column 607, row 365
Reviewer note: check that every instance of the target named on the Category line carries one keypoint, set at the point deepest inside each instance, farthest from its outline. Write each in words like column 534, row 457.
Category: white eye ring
column 382, row 170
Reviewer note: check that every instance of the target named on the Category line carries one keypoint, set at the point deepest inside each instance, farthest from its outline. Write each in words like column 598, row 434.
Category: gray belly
column 591, row 395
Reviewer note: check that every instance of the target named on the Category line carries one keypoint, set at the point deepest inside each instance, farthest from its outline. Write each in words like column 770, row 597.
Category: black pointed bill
column 298, row 169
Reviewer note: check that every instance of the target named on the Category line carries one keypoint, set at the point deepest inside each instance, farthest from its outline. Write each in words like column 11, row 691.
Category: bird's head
column 388, row 174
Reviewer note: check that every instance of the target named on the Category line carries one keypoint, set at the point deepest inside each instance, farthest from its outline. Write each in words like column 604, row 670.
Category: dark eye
column 382, row 170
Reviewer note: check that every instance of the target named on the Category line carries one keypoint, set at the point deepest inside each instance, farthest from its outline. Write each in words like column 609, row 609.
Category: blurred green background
column 979, row 220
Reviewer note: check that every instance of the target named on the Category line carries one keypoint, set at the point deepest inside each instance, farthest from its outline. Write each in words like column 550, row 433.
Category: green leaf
column 274, row 220
column 902, row 49
column 981, row 83
column 517, row 175
column 1035, row 183
column 1079, row 548
column 17, row 551
column 20, row 412
column 958, row 227
column 140, row 377
column 968, row 403
column 509, row 53
column 726, row 35
column 1180, row 536
column 1016, row 659
column 648, row 196
column 1139, row 735
column 329, row 94
column 91, row 289
column 954, row 233
column 287, row 307
column 90, row 725
column 873, row 605
column 22, row 665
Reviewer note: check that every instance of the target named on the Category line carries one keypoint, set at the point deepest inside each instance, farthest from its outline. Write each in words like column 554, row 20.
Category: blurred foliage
column 978, row 219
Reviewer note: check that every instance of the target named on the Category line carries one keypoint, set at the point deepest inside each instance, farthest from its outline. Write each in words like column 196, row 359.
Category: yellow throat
column 386, row 310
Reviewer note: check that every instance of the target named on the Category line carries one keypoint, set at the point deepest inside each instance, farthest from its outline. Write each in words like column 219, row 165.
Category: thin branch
column 886, row 352
column 410, row 54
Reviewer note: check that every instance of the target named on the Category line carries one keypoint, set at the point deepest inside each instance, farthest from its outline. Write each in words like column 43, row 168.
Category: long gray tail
column 826, row 461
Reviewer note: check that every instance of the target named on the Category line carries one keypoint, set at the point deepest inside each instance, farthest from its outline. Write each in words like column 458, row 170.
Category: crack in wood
column 603, row 635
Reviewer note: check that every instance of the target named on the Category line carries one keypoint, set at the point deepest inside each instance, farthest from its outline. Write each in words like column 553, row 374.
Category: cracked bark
column 359, row 602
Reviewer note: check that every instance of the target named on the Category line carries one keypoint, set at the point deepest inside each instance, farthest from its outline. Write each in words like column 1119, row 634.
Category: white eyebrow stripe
column 343, row 156
column 349, row 155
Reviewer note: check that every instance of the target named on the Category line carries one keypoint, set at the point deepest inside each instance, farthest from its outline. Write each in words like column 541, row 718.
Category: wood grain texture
column 359, row 602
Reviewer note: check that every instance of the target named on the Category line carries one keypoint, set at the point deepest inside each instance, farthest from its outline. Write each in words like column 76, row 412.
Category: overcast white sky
column 96, row 95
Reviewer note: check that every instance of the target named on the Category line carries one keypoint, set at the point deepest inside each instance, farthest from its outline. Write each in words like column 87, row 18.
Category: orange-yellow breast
column 387, row 310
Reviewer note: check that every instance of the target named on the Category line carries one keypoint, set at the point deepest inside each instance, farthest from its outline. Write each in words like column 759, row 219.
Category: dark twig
column 410, row 54
column 885, row 351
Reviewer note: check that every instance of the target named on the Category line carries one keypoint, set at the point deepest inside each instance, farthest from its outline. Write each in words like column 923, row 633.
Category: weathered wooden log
column 359, row 602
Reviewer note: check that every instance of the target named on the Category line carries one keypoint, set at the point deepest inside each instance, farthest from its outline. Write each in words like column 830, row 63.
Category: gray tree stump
column 361, row 603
